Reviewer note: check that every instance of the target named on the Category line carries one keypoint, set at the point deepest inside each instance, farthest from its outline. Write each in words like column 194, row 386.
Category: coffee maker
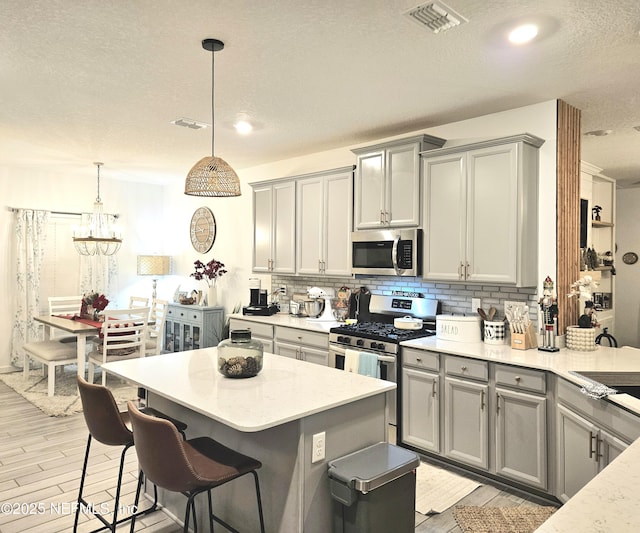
column 258, row 300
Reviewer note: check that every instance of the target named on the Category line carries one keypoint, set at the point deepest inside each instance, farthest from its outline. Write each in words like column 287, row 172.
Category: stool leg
column 210, row 511
column 84, row 473
column 136, row 501
column 255, row 476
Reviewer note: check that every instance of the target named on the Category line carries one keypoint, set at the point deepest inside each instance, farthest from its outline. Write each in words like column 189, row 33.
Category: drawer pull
column 463, row 368
column 518, row 378
column 418, row 360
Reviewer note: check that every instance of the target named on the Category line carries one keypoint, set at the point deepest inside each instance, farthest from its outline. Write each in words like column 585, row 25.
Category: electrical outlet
column 318, row 445
column 476, row 303
column 283, row 289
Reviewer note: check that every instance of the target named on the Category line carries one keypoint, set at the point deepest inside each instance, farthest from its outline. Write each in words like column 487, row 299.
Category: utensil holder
column 524, row 341
column 495, row 332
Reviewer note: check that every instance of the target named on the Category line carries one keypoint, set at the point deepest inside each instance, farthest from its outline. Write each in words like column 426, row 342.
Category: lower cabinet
column 466, row 421
column 190, row 327
column 260, row 332
column 300, row 344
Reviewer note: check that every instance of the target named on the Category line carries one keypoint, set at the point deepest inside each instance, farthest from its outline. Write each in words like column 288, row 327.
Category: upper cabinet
column 480, row 212
column 323, row 205
column 274, row 227
column 387, row 183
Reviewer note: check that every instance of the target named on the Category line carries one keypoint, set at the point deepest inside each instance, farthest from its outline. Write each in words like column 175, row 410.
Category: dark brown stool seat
column 109, row 426
column 190, row 467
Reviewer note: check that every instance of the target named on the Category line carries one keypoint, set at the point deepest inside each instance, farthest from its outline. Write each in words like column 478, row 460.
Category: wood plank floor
column 41, row 462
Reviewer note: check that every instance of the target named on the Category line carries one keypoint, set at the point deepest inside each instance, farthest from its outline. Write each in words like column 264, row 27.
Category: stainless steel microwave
column 388, row 252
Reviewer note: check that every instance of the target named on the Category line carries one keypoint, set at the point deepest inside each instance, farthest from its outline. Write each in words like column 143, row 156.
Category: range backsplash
column 454, row 298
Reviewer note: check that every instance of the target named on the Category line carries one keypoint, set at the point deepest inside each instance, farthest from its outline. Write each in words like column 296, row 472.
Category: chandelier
column 98, row 236
column 212, row 176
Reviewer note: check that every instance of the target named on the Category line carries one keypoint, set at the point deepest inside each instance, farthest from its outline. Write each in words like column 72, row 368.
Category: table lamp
column 154, row 265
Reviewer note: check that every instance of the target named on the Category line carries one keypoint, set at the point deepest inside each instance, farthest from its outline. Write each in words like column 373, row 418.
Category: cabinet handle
column 598, row 454
column 498, row 403
column 591, row 450
column 433, row 388
column 460, row 266
column 381, row 217
column 387, row 218
column 463, row 368
column 482, row 400
column 418, row 360
column 467, row 269
column 517, row 378
column 319, row 265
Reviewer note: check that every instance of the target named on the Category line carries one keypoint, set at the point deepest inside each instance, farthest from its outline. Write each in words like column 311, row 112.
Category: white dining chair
column 157, row 321
column 52, row 354
column 124, row 336
column 138, row 301
column 65, row 306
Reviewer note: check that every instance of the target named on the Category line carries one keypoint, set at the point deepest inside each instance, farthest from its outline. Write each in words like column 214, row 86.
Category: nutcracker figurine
column 549, row 309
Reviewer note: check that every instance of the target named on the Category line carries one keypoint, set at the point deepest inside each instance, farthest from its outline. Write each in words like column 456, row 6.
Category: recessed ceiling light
column 599, row 133
column 523, row 34
column 243, row 127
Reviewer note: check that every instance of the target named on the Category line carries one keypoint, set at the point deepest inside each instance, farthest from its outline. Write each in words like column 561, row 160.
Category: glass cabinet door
column 196, row 337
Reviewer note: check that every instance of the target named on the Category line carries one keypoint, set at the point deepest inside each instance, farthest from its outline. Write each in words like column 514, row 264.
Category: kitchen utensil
column 313, row 307
column 491, row 313
column 482, row 314
column 408, row 322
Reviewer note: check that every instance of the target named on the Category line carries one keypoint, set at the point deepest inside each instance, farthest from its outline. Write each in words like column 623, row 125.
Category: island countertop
column 286, row 389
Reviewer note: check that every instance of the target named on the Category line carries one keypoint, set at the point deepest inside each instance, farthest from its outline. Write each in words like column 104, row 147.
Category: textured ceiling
column 101, row 80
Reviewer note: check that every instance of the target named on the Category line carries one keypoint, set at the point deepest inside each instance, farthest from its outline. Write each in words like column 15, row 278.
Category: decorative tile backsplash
column 454, row 298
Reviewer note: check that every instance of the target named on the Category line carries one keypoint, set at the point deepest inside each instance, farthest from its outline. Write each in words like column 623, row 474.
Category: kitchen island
column 271, row 417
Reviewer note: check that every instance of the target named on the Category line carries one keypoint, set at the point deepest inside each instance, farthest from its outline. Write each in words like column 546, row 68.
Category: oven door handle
column 340, row 350
column 386, row 359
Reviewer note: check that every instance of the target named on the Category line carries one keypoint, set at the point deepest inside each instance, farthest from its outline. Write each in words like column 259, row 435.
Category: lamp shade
column 154, row 265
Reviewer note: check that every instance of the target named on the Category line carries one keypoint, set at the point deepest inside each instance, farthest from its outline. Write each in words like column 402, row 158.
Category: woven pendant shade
column 212, row 176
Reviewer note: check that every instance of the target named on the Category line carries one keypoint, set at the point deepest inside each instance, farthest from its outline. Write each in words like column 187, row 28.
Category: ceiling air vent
column 189, row 123
column 436, row 16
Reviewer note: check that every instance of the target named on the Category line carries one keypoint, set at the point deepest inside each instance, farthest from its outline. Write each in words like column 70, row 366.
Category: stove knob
column 380, row 346
column 360, row 342
column 340, row 338
column 346, row 340
column 374, row 345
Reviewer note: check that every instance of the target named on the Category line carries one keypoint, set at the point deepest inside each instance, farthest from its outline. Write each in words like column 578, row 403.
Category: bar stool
column 190, row 467
column 111, row 427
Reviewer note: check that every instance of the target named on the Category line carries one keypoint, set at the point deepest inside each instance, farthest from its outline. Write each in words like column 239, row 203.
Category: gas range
column 376, row 336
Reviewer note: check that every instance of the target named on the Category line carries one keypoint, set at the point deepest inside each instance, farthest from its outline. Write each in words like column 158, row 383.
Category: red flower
column 211, row 271
column 95, row 300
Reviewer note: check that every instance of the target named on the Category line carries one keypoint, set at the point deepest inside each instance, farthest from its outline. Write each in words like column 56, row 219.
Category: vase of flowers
column 582, row 337
column 92, row 304
column 209, row 272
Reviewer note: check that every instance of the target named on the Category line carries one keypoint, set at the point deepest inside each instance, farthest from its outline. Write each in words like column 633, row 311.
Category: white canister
column 458, row 328
column 495, row 332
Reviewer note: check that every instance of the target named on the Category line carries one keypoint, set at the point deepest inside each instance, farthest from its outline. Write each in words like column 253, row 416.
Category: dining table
column 82, row 328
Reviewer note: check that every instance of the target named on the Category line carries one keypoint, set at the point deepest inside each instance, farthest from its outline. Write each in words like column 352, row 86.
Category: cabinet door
column 313, row 355
column 492, row 218
column 284, row 226
column 466, row 435
column 521, row 437
column 262, row 209
column 369, row 190
column 420, row 409
column 169, row 337
column 576, row 453
column 338, row 200
column 444, row 217
column 310, row 226
column 287, row 350
column 610, row 447
column 402, row 191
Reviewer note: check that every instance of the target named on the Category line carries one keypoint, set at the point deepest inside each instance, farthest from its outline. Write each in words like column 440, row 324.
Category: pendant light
column 212, row 176
column 98, row 237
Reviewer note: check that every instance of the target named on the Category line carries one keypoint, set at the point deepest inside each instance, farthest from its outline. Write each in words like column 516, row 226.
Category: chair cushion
column 52, row 350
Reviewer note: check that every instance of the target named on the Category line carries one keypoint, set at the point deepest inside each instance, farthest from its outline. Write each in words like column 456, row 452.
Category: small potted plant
column 596, row 212
column 92, row 304
column 582, row 337
column 209, row 272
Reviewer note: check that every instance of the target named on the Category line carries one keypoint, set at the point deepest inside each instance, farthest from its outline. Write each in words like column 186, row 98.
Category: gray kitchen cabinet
column 274, row 226
column 521, row 425
column 466, row 422
column 421, row 400
column 324, row 218
column 260, row 332
column 480, row 212
column 590, row 434
column 190, row 327
column 300, row 344
column 387, row 183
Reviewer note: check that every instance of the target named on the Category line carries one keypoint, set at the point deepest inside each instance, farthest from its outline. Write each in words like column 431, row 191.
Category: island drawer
column 468, row 368
column 185, row 315
column 302, row 337
column 420, row 359
column 521, row 378
column 257, row 329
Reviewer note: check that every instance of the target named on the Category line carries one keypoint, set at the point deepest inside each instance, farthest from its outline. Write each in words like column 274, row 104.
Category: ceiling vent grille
column 436, row 16
column 189, row 123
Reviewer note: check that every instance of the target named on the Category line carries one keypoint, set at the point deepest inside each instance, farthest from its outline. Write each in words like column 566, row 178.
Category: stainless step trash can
column 374, row 490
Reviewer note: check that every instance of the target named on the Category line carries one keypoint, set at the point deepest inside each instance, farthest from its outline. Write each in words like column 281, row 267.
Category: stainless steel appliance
column 389, row 252
column 378, row 335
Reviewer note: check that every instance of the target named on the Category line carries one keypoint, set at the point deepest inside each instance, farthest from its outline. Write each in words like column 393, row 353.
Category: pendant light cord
column 98, row 197
column 213, row 54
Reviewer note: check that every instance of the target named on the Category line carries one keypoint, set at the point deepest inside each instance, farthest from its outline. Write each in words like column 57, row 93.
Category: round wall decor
column 630, row 258
column 203, row 229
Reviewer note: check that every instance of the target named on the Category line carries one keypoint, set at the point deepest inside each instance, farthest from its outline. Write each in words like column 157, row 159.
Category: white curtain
column 30, row 238
column 99, row 273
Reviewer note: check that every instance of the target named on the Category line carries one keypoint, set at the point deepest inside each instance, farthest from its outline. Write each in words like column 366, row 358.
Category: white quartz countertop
column 604, row 359
column 609, row 502
column 286, row 389
column 290, row 321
